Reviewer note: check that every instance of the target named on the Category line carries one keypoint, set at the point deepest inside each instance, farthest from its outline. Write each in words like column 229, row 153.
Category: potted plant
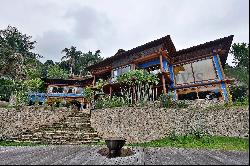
column 115, row 145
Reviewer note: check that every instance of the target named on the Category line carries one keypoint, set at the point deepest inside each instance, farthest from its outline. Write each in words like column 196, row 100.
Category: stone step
column 69, row 129
column 74, row 129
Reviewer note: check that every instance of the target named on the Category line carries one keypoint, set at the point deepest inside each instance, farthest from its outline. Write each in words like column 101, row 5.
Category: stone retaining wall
column 13, row 122
column 146, row 124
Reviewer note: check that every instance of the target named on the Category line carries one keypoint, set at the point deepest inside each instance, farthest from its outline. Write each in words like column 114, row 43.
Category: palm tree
column 71, row 56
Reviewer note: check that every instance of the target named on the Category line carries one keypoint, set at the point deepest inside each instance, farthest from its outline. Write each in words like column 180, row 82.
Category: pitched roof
column 226, row 43
column 52, row 81
column 166, row 41
column 221, row 43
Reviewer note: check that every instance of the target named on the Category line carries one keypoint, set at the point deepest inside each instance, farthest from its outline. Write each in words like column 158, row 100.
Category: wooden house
column 68, row 91
column 192, row 73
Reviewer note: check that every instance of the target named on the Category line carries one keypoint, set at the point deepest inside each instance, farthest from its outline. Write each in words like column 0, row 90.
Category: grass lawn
column 189, row 141
column 12, row 143
column 205, row 142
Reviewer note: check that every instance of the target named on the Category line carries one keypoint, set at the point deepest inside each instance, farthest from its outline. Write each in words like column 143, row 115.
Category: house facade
column 192, row 73
column 68, row 91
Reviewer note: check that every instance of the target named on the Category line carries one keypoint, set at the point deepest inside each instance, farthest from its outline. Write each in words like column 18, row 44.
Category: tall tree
column 71, row 56
column 45, row 66
column 54, row 71
column 240, row 71
column 15, row 53
column 87, row 59
column 240, row 52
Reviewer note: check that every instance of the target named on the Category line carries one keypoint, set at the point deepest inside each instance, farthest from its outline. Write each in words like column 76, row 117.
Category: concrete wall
column 146, row 124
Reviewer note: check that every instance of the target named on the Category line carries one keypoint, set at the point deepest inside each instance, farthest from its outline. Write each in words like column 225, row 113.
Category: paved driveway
column 87, row 155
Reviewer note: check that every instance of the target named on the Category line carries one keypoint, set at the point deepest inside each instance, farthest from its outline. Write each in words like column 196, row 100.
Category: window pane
column 60, row 90
column 125, row 69
column 79, row 90
column 115, row 73
column 204, row 70
column 54, row 90
column 183, row 74
column 119, row 71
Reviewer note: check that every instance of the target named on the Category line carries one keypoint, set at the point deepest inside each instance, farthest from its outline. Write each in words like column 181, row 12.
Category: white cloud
column 112, row 24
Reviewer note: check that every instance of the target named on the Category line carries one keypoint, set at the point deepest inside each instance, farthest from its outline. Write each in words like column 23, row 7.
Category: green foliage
column 242, row 102
column 107, row 102
column 77, row 62
column 136, row 86
column 99, row 84
column 137, row 77
column 179, row 104
column 85, row 60
column 21, row 93
column 15, row 53
column 204, row 142
column 71, row 57
column 34, row 85
column 6, row 88
column 238, row 92
column 54, row 71
column 34, row 73
column 240, row 71
column 12, row 143
column 168, row 102
column 88, row 93
column 198, row 133
column 241, row 55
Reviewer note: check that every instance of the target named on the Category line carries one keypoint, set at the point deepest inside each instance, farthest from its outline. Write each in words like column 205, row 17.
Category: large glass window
column 197, row 71
column 79, row 90
column 183, row 74
column 204, row 70
column 121, row 70
column 57, row 90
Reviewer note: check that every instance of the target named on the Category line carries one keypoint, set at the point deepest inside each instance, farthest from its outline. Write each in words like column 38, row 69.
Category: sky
column 109, row 25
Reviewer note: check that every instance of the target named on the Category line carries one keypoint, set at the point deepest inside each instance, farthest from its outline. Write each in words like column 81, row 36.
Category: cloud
column 109, row 25
column 51, row 43
column 89, row 23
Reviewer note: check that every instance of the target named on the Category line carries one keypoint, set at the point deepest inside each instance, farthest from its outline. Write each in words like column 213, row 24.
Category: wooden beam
column 203, row 84
column 222, row 71
column 151, row 56
column 195, row 58
column 162, row 76
column 93, row 83
column 110, row 92
column 101, row 71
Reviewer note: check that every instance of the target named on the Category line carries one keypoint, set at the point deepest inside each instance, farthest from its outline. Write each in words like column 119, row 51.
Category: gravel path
column 88, row 155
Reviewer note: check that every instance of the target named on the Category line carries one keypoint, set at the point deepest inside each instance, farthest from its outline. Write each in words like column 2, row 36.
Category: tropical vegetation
column 21, row 70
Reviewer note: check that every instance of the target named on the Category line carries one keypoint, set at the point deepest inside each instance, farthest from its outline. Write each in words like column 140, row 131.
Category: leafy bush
column 179, row 104
column 6, row 88
column 56, row 102
column 241, row 102
column 168, row 102
column 238, row 92
column 107, row 102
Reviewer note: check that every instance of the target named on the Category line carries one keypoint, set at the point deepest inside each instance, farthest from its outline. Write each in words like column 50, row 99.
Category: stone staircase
column 75, row 129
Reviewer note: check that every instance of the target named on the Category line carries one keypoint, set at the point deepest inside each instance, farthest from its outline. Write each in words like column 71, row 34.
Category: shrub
column 241, row 102
column 238, row 92
column 167, row 102
column 179, row 104
column 107, row 102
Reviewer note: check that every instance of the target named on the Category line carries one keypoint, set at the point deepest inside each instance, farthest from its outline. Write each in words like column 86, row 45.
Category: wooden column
column 162, row 76
column 110, row 91
column 132, row 67
column 94, row 81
